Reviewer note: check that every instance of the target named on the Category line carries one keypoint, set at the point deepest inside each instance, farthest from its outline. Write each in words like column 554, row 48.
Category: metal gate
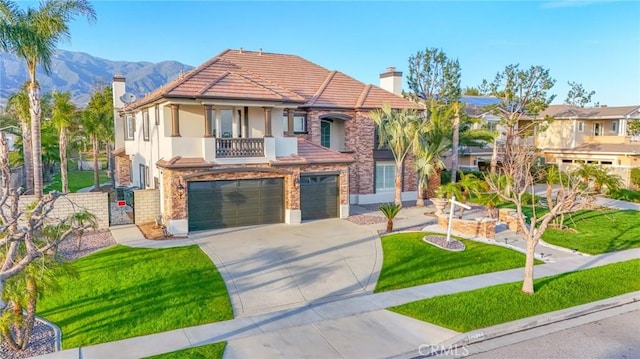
column 121, row 206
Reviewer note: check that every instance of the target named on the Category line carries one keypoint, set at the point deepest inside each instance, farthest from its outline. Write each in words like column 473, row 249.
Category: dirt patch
column 364, row 219
column 152, row 231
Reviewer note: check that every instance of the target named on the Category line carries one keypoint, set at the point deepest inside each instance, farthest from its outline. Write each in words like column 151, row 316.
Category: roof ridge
column 363, row 96
column 322, row 87
column 274, row 86
column 213, row 83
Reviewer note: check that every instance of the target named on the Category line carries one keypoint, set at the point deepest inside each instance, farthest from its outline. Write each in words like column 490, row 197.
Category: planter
column 440, row 204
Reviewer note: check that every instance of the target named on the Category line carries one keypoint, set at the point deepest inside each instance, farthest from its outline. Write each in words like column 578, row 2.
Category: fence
column 147, row 205
column 95, row 202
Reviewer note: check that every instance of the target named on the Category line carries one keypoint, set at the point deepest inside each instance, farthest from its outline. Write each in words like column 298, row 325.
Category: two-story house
column 251, row 137
column 591, row 135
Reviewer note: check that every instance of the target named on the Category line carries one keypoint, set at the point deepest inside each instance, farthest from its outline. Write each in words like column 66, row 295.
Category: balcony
column 239, row 147
column 610, row 139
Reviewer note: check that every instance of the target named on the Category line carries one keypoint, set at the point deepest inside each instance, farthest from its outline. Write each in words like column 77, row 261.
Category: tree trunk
column 96, row 170
column 549, row 195
column 494, row 157
column 433, row 183
column 454, row 147
column 398, row 184
column 63, row 160
column 36, row 145
column 420, row 199
column 527, row 283
column 112, row 164
column 389, row 225
column 27, row 157
column 32, row 298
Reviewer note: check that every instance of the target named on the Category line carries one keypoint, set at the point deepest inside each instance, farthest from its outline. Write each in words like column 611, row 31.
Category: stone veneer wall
column 508, row 216
column 123, row 170
column 484, row 228
column 96, row 203
column 146, row 205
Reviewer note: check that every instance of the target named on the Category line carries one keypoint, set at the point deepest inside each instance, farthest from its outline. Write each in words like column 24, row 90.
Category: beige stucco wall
column 559, row 134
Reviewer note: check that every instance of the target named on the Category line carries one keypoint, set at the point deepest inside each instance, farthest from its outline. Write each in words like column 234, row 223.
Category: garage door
column 319, row 196
column 221, row 204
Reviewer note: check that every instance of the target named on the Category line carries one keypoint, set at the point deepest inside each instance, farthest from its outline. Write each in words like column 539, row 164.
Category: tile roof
column 262, row 76
column 311, row 153
column 613, row 148
column 567, row 111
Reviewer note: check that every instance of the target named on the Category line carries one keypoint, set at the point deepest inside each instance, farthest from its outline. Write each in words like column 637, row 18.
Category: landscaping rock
column 41, row 341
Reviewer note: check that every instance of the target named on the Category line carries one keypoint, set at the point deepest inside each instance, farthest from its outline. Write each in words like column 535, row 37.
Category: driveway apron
column 275, row 267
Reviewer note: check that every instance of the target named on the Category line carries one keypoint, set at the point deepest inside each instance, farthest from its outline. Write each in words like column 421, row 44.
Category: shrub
column 390, row 211
column 635, row 178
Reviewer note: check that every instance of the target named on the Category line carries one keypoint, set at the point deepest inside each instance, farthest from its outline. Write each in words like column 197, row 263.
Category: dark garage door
column 221, row 204
column 319, row 197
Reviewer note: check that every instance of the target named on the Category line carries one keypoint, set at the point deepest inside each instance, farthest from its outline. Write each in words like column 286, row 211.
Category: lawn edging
column 499, row 330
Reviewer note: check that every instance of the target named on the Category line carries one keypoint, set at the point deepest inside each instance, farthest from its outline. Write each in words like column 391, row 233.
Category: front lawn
column 598, row 231
column 210, row 351
column 76, row 179
column 124, row 292
column 504, row 303
column 408, row 261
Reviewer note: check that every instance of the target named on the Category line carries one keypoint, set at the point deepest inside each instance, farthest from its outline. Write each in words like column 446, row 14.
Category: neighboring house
column 254, row 137
column 591, row 135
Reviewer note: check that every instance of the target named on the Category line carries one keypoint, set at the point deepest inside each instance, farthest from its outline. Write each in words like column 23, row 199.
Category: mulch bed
column 441, row 241
column 364, row 219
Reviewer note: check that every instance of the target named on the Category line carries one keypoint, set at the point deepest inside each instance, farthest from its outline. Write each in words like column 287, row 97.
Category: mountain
column 79, row 72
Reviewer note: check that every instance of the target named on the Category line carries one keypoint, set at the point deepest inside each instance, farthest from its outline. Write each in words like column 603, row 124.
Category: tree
column 18, row 105
column 397, row 129
column 513, row 184
column 521, row 93
column 96, row 122
column 390, row 211
column 435, row 80
column 63, row 113
column 633, row 128
column 23, row 240
column 33, row 35
column 577, row 95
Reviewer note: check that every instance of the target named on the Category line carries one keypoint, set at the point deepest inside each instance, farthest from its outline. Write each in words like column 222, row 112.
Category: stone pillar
column 208, row 131
column 267, row 122
column 289, row 122
column 175, row 121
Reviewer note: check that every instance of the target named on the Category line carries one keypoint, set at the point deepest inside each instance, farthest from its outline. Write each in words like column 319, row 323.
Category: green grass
column 77, row 180
column 210, row 351
column 489, row 306
column 626, row 195
column 598, row 232
column 408, row 261
column 125, row 292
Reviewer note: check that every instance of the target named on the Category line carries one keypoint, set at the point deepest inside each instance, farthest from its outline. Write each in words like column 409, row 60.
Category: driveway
column 276, row 267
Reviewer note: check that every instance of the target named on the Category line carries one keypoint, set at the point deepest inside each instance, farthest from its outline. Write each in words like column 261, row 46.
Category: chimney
column 603, row 106
column 118, row 86
column 391, row 80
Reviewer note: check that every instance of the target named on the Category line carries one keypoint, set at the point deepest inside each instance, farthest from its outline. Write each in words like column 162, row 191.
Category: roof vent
column 260, row 51
column 391, row 69
column 240, row 50
column 603, row 106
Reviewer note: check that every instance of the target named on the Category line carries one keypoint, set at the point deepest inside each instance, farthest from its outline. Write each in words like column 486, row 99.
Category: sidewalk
column 307, row 326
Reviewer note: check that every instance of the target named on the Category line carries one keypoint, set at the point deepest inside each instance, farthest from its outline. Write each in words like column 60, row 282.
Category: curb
column 496, row 331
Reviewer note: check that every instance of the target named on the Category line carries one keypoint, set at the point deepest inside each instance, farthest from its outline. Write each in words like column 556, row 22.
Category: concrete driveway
column 275, row 267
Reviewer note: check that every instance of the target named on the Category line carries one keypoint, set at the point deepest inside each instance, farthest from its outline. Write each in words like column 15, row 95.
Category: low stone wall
column 508, row 216
column 97, row 203
column 481, row 227
column 146, row 204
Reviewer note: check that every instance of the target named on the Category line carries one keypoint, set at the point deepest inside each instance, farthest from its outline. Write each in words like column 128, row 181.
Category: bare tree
column 518, row 175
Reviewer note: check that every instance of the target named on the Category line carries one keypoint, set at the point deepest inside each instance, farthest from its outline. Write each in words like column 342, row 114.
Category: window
column 325, row 133
column 614, row 126
column 129, row 127
column 580, row 126
column 157, row 114
column 145, row 125
column 299, row 123
column 492, row 125
column 385, row 176
column 597, row 129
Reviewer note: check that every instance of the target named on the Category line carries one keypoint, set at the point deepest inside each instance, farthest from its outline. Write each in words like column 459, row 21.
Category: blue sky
column 596, row 43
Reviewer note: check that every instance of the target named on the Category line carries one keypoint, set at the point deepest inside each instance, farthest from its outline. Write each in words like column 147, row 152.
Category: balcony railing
column 239, row 147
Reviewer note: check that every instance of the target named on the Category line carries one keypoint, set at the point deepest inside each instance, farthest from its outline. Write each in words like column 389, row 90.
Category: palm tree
column 33, row 35
column 96, row 122
column 455, row 139
column 397, row 129
column 62, row 118
column 390, row 211
column 18, row 104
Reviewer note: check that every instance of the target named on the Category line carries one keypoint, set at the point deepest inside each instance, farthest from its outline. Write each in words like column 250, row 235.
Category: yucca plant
column 390, row 210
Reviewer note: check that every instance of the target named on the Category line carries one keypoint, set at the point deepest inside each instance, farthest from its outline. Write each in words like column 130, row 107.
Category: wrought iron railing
column 239, row 147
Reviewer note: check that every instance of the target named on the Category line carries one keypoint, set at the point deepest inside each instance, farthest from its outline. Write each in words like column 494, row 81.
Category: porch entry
column 121, row 206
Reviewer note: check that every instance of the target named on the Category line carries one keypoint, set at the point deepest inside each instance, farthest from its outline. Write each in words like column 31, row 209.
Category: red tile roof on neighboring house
column 261, row 76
